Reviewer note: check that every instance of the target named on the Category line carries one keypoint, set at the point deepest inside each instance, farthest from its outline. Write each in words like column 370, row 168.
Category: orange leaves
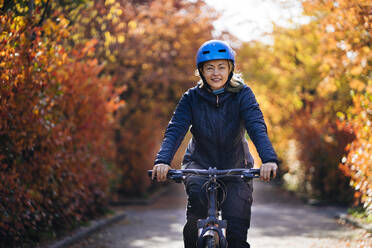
column 55, row 131
column 327, row 87
column 319, row 72
column 62, row 82
column 357, row 85
column 89, row 48
column 351, row 21
column 49, row 27
column 358, row 162
column 149, row 53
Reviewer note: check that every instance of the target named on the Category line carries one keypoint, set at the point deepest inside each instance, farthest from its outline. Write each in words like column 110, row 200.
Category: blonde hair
column 235, row 81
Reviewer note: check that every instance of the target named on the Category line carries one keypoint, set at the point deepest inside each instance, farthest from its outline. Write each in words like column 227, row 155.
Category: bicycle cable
column 220, row 186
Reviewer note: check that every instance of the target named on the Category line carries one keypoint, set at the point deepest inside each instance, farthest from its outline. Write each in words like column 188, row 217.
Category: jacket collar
column 207, row 94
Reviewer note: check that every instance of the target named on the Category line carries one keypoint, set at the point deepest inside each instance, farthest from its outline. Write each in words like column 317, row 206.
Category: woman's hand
column 160, row 171
column 266, row 170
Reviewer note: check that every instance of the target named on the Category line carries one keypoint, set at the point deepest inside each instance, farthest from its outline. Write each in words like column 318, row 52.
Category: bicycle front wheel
column 210, row 242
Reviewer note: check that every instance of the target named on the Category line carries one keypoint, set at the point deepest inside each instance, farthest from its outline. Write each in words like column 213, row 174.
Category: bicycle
column 212, row 230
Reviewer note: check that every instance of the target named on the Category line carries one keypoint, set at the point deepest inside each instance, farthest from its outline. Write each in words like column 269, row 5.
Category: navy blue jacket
column 218, row 124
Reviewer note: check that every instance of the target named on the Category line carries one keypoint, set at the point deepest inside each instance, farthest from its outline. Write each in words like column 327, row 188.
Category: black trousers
column 236, row 209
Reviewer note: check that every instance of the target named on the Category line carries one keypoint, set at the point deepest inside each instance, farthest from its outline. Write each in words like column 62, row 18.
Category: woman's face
column 216, row 73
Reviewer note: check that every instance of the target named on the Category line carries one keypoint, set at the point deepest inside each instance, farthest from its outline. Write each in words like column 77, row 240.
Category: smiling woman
column 216, row 73
column 219, row 110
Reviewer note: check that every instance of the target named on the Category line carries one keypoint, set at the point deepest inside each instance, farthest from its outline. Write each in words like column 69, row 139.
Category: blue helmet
column 214, row 49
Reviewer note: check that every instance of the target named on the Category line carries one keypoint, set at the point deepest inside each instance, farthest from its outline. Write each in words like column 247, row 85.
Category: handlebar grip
column 172, row 174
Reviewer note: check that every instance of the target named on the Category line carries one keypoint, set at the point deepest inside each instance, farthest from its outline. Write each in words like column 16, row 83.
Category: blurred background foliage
column 314, row 85
column 87, row 88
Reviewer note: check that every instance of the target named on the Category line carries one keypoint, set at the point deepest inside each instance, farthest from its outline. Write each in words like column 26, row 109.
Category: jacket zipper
column 218, row 135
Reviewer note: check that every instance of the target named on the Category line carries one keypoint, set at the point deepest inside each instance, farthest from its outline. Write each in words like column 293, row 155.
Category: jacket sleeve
column 256, row 127
column 176, row 131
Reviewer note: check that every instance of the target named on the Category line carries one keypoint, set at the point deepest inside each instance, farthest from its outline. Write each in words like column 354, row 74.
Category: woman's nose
column 215, row 71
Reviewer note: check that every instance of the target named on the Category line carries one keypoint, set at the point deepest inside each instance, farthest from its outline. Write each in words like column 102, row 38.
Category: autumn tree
column 55, row 126
column 316, row 92
column 285, row 76
column 345, row 27
column 148, row 48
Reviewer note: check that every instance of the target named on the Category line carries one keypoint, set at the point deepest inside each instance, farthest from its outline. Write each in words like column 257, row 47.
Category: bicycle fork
column 213, row 226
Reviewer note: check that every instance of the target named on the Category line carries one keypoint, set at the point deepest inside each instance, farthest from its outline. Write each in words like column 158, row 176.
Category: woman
column 219, row 110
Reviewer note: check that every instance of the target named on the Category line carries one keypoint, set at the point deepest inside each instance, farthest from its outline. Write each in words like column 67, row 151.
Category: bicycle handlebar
column 178, row 175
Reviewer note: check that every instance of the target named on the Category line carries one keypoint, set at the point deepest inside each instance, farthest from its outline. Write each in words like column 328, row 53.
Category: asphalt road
column 278, row 220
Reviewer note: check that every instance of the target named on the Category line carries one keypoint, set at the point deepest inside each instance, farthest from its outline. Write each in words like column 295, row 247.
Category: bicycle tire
column 210, row 242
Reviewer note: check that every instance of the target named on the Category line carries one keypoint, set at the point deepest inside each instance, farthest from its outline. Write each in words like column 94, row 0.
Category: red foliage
column 150, row 48
column 55, row 134
column 56, row 108
column 322, row 143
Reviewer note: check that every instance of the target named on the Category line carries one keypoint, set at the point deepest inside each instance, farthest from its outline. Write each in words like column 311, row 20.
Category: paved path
column 278, row 220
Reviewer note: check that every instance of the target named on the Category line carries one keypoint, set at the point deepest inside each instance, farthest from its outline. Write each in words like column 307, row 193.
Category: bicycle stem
column 212, row 198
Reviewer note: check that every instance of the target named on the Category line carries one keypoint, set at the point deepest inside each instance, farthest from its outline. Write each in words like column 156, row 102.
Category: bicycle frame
column 213, row 227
